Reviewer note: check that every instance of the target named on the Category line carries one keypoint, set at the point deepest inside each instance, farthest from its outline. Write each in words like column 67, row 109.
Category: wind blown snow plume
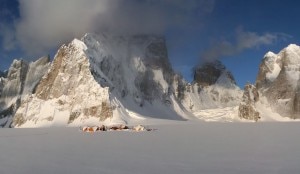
column 243, row 40
column 47, row 24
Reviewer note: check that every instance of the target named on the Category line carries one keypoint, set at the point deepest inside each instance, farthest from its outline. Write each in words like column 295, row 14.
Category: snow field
column 176, row 147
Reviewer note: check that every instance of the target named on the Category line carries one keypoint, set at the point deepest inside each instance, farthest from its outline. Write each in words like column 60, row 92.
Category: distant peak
column 215, row 63
column 18, row 62
column 269, row 54
column 292, row 47
column 78, row 44
column 209, row 72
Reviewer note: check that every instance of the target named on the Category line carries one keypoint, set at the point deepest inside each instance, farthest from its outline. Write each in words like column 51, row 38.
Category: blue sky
column 236, row 32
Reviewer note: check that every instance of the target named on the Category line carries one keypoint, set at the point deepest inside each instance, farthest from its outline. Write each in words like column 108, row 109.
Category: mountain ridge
column 103, row 78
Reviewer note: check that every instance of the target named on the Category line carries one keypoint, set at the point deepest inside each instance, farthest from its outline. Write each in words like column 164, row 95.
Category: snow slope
column 175, row 148
column 267, row 114
column 227, row 114
column 219, row 95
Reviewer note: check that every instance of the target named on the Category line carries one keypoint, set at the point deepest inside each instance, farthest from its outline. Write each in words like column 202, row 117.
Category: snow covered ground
column 227, row 114
column 176, row 147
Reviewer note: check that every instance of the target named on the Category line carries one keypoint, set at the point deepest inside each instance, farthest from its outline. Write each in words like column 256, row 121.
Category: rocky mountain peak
column 292, row 48
column 278, row 80
column 17, row 69
column 68, row 61
column 269, row 69
column 285, row 62
column 290, row 56
column 68, row 90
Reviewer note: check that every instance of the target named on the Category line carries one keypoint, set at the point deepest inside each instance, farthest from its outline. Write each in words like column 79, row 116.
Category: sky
column 236, row 32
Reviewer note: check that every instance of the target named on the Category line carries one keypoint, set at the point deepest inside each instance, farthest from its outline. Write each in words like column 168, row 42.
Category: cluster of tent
column 138, row 128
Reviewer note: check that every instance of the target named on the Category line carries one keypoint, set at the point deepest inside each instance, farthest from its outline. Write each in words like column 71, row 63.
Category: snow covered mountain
column 278, row 84
column 21, row 80
column 104, row 78
column 213, row 88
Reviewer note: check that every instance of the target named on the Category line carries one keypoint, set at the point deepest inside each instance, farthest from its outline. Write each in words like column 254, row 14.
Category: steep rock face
column 21, row 79
column 137, row 66
column 247, row 109
column 137, row 71
column 296, row 104
column 1, row 82
column 179, row 86
column 213, row 87
column 14, row 83
column 278, row 80
column 68, row 91
column 36, row 71
column 11, row 89
column 3, row 76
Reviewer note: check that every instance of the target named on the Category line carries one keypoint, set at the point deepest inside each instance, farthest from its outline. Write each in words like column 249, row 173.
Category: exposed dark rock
column 2, row 74
column 208, row 73
column 247, row 108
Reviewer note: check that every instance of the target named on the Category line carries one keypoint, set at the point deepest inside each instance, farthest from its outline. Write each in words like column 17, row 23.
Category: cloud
column 45, row 24
column 242, row 41
column 8, row 35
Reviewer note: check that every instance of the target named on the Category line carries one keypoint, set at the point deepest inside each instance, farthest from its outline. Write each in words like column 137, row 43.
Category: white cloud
column 243, row 40
column 44, row 24
column 8, row 35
